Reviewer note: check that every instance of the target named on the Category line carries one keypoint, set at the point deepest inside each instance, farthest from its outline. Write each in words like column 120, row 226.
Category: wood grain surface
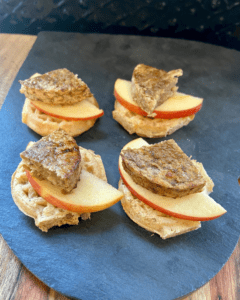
column 16, row 282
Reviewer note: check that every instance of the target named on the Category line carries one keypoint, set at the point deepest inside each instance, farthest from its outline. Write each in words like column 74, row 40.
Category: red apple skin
column 159, row 114
column 182, row 114
column 67, row 206
column 38, row 189
column 33, row 183
column 129, row 106
column 67, row 118
column 165, row 211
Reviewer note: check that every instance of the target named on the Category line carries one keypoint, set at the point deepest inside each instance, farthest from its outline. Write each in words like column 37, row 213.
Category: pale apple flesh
column 195, row 207
column 178, row 106
column 91, row 194
column 83, row 110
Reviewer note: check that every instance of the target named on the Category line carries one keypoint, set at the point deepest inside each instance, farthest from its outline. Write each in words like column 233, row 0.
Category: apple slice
column 195, row 207
column 178, row 106
column 83, row 110
column 91, row 194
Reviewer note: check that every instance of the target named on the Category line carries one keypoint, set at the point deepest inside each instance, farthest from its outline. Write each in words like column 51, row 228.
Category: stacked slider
column 165, row 192
column 58, row 99
column 150, row 105
column 57, row 182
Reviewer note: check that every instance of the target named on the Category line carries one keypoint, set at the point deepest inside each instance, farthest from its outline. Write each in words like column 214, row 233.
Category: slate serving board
column 109, row 257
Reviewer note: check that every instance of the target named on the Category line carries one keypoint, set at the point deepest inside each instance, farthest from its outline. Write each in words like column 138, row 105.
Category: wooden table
column 16, row 282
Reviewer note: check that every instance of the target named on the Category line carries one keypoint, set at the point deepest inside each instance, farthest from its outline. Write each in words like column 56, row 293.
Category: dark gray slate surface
column 109, row 257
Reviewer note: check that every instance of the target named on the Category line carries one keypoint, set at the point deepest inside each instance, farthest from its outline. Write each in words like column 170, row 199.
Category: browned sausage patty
column 55, row 158
column 164, row 169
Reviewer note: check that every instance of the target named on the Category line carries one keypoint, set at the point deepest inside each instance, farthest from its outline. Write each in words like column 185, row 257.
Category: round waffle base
column 147, row 127
column 45, row 214
column 44, row 124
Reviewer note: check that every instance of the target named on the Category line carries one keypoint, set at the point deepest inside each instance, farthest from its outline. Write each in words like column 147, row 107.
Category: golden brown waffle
column 147, row 127
column 44, row 124
column 45, row 214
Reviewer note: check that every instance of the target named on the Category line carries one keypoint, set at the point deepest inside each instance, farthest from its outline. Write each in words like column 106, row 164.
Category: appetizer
column 57, row 182
column 164, row 190
column 150, row 105
column 58, row 99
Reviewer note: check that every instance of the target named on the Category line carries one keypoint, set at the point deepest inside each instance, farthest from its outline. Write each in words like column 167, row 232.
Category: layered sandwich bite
column 58, row 99
column 164, row 190
column 57, row 182
column 150, row 106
